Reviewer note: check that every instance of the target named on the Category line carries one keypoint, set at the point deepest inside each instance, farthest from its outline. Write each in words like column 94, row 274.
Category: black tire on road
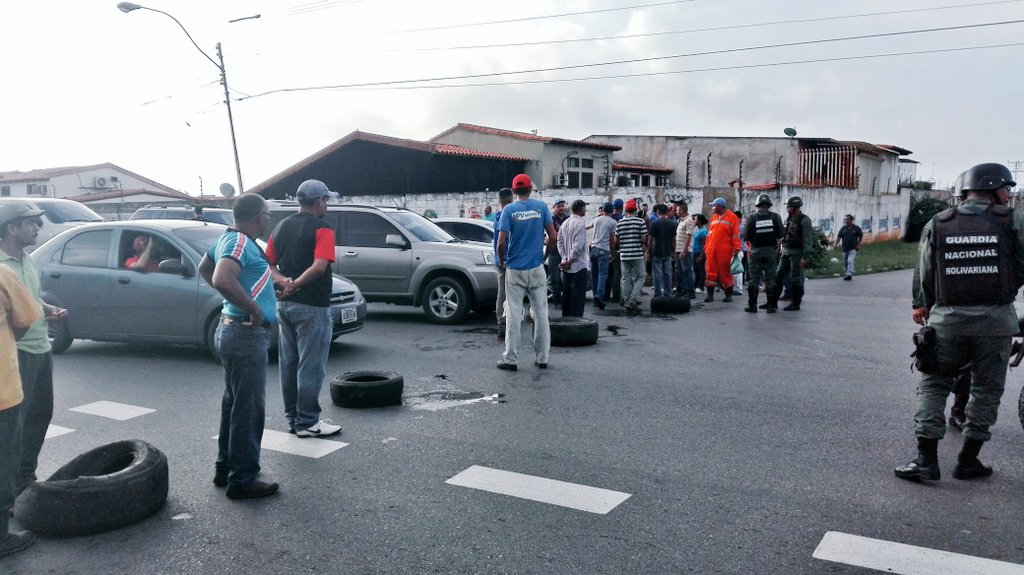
column 446, row 300
column 670, row 304
column 60, row 337
column 573, row 331
column 367, row 389
column 112, row 486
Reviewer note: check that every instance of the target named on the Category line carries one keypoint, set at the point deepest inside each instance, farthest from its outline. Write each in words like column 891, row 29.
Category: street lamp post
column 128, row 7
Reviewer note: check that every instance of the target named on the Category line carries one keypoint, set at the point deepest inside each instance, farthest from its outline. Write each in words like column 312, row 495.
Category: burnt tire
column 357, row 389
column 670, row 304
column 573, row 331
column 112, row 486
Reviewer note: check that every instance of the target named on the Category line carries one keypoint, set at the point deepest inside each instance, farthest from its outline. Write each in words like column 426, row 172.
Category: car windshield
column 63, row 212
column 420, row 227
column 200, row 238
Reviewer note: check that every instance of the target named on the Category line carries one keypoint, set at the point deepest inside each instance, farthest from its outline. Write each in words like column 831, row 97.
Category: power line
column 321, row 5
column 692, row 70
column 530, row 18
column 639, row 60
column 707, row 29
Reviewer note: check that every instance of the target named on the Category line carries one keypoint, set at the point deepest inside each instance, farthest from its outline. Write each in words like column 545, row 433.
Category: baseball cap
column 617, row 203
column 718, row 202
column 631, row 206
column 16, row 210
column 578, row 205
column 608, row 207
column 558, row 201
column 313, row 189
column 522, row 181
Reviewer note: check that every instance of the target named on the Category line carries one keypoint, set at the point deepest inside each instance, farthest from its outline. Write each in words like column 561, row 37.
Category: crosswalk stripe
column 113, row 410
column 304, row 446
column 56, row 431
column 902, row 559
column 564, row 494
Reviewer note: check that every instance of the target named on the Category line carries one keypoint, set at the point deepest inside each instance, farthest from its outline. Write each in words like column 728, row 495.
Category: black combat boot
column 773, row 303
column 711, row 294
column 728, row 295
column 751, row 301
column 967, row 464
column 926, row 466
column 798, row 296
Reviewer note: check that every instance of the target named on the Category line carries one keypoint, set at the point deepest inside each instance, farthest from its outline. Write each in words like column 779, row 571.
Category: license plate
column 348, row 315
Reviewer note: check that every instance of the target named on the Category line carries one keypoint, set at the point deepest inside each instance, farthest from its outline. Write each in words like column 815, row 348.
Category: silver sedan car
column 85, row 270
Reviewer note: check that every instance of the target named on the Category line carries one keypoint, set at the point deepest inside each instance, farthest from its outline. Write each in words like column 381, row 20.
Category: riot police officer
column 970, row 268
column 796, row 246
column 762, row 234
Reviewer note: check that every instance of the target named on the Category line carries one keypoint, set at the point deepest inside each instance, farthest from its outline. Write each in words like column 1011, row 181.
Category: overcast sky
column 86, row 83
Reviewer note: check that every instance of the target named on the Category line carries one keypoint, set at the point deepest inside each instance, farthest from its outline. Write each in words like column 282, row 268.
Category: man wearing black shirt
column 302, row 248
column 662, row 244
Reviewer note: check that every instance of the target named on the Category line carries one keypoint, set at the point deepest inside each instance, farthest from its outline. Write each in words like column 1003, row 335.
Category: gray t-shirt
column 604, row 227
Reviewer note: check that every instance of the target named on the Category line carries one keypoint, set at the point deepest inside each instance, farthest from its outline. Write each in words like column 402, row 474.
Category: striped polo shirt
column 631, row 232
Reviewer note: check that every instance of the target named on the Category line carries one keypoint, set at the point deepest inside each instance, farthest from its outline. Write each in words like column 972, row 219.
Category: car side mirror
column 396, row 240
column 174, row 266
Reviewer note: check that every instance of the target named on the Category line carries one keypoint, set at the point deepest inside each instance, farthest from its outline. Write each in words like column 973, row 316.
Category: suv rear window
column 61, row 212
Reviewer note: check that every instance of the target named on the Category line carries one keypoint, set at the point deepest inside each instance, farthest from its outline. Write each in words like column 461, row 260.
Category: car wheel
column 367, row 389
column 573, row 331
column 445, row 300
column 211, row 337
column 60, row 337
column 670, row 304
column 108, row 487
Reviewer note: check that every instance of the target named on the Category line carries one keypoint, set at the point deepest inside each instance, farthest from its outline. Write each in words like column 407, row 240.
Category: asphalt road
column 740, row 439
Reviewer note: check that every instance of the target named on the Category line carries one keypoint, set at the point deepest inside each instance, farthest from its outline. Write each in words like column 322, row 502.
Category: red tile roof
column 526, row 136
column 641, row 168
column 429, row 147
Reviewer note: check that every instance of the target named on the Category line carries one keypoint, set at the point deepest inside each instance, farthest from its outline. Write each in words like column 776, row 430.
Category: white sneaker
column 319, row 429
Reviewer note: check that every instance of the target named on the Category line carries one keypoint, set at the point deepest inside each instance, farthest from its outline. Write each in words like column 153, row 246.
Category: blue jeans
column 302, row 349
column 661, row 267
column 849, row 257
column 599, row 271
column 243, row 352
column 520, row 284
column 685, row 272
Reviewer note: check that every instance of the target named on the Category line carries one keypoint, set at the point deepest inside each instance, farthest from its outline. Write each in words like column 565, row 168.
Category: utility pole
column 1015, row 167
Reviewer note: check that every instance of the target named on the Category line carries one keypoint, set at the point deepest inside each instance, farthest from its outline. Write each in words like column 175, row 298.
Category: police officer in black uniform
column 970, row 267
column 762, row 234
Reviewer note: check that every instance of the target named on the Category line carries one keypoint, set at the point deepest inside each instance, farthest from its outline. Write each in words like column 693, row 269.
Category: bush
column 819, row 257
column 921, row 212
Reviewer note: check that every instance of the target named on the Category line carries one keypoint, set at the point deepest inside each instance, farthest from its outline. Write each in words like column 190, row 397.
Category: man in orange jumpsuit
column 722, row 244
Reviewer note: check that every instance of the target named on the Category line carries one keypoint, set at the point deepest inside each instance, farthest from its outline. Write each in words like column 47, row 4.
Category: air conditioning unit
column 100, row 182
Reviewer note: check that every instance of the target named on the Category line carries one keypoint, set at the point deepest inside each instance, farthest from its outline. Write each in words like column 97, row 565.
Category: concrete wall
column 881, row 217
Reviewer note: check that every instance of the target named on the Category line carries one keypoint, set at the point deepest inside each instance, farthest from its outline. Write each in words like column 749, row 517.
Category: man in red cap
column 521, row 253
column 722, row 245
column 630, row 241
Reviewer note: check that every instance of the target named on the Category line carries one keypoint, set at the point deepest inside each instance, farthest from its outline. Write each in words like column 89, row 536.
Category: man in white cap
column 302, row 248
column 19, row 228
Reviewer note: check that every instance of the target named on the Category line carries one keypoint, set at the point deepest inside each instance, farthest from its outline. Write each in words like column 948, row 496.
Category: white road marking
column 304, row 446
column 902, row 559
column 113, row 410
column 572, row 495
column 56, row 430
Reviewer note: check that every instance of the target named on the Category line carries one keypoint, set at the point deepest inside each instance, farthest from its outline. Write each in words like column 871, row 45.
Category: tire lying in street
column 367, row 389
column 573, row 331
column 112, row 486
column 670, row 304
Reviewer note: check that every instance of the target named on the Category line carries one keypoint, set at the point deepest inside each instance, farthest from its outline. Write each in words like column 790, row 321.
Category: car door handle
column 351, row 254
column 55, row 275
column 124, row 280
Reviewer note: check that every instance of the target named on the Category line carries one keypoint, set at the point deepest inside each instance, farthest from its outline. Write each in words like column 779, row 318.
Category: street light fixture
column 129, row 7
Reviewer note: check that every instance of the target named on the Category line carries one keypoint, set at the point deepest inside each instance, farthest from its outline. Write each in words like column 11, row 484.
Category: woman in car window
column 145, row 257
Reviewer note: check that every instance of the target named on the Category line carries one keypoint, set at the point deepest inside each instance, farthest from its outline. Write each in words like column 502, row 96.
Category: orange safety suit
column 723, row 241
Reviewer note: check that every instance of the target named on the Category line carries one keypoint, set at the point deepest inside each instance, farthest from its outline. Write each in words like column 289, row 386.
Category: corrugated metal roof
column 642, row 168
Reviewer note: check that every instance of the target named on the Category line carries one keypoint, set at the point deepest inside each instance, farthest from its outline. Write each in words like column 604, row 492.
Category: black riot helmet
column 763, row 199
column 987, row 178
column 794, row 202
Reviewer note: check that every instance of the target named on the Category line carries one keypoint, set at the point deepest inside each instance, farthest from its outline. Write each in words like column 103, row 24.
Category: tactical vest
column 973, row 257
column 765, row 228
column 794, row 233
